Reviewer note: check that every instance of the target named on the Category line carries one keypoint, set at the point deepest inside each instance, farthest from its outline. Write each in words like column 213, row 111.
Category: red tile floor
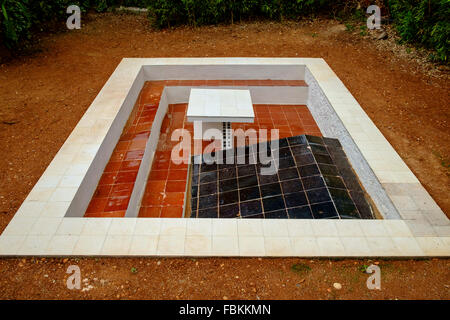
column 166, row 186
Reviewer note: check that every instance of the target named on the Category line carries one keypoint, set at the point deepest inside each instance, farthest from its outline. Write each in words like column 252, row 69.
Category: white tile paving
column 325, row 228
column 330, row 246
column 278, row 246
column 275, row 227
column 198, row 245
column 62, row 244
column 71, row 227
column 356, row 246
column 122, row 226
column 304, row 246
column 116, row 245
column 408, row 246
column 143, row 245
column 171, row 245
column 375, row 228
column 300, row 228
column 225, row 227
column 251, row 246
column 147, row 227
column 173, row 227
column 382, row 246
column 96, row 226
column 225, row 246
column 89, row 245
column 349, row 228
column 45, row 226
column 250, row 227
column 199, row 227
column 34, row 245
column 10, row 245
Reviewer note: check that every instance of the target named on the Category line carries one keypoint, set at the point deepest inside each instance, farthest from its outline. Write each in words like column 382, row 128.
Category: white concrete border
column 44, row 225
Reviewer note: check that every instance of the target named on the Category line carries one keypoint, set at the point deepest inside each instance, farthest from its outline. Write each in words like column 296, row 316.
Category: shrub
column 418, row 21
column 19, row 19
column 201, row 12
column 16, row 22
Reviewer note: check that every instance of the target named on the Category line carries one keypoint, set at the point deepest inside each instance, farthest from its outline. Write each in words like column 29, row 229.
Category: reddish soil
column 223, row 278
column 45, row 94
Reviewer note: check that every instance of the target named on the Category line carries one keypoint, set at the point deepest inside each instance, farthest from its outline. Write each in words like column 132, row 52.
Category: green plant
column 133, row 270
column 300, row 268
column 101, row 6
column 421, row 22
column 444, row 162
column 201, row 12
column 424, row 22
column 19, row 20
column 363, row 31
column 363, row 268
column 349, row 27
column 359, row 15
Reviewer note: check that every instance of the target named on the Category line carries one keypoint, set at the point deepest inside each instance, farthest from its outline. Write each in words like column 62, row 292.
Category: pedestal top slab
column 220, row 105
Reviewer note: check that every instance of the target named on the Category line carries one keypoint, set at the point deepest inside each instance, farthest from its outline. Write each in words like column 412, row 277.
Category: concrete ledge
column 220, row 237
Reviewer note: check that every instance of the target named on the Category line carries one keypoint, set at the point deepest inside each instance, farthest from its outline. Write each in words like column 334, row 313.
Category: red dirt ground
column 45, row 94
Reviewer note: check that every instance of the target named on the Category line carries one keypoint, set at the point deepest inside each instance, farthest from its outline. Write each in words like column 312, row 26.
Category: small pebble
column 337, row 286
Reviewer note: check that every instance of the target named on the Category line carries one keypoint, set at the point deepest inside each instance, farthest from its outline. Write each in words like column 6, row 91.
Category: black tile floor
column 314, row 180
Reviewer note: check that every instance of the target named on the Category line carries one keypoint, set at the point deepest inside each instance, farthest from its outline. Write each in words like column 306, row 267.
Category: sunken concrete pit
column 52, row 221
